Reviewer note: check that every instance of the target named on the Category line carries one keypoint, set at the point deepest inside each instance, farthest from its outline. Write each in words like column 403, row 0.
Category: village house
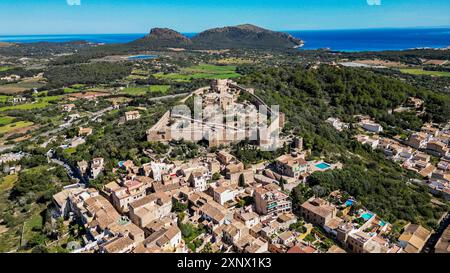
column 443, row 244
column 233, row 171
column 259, row 245
column 167, row 221
column 224, row 194
column 371, row 126
column 301, row 248
column 130, row 191
column 413, row 238
column 68, row 107
column 84, row 131
column 132, row 115
column 318, row 211
column 118, row 245
column 225, row 158
column 367, row 140
column 437, row 148
column 198, row 180
column 207, row 209
column 291, row 165
column 82, row 166
column 286, row 238
column 271, row 201
column 418, row 140
column 149, row 208
column 248, row 217
column 165, row 240
column 286, row 219
column 61, row 200
column 428, row 128
column 337, row 124
column 96, row 167
column 235, row 232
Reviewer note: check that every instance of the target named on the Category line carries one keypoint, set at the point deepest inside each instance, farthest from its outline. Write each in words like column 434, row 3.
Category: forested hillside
column 306, row 96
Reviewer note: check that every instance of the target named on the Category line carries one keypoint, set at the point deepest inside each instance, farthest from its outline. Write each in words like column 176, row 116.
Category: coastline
column 335, row 40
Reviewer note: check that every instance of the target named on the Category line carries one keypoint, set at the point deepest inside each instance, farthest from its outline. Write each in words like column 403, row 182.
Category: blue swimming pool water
column 382, row 223
column 367, row 216
column 348, row 203
column 323, row 166
column 143, row 57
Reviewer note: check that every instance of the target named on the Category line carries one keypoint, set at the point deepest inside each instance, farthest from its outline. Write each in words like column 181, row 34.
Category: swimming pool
column 349, row 203
column 366, row 216
column 382, row 223
column 142, row 57
column 323, row 166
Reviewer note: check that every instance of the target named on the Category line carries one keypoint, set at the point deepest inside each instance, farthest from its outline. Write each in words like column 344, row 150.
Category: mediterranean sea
column 338, row 40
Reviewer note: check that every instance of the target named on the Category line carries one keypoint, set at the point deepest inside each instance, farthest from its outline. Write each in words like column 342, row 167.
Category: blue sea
column 340, row 40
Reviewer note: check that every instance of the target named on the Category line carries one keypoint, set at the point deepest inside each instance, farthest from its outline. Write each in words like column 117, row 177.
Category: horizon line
column 194, row 32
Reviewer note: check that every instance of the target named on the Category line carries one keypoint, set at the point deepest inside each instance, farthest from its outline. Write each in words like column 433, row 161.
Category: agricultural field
column 15, row 126
column 142, row 90
column 4, row 120
column 26, row 106
column 17, row 88
column 203, row 71
column 5, row 98
column 419, row 71
column 138, row 74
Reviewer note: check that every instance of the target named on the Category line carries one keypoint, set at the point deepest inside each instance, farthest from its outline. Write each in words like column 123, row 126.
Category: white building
column 372, row 127
column 224, row 194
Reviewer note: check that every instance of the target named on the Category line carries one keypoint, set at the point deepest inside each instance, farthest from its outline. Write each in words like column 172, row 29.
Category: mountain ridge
column 229, row 37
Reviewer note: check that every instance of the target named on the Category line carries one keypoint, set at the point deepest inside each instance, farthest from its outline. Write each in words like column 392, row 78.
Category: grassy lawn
column 4, row 68
column 70, row 151
column 4, row 120
column 419, row 71
column 33, row 223
column 7, row 182
column 203, row 71
column 14, row 126
column 142, row 90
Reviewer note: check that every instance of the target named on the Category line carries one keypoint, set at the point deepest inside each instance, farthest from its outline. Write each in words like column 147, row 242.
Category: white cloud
column 73, row 2
column 374, row 2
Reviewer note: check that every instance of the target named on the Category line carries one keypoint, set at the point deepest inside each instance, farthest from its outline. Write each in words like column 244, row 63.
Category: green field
column 27, row 106
column 419, row 71
column 203, row 71
column 14, row 126
column 42, row 103
column 5, row 98
column 4, row 68
column 74, row 88
column 4, row 120
column 34, row 223
column 142, row 90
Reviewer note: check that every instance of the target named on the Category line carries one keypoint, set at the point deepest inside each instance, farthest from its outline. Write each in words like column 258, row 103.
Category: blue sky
column 138, row 16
